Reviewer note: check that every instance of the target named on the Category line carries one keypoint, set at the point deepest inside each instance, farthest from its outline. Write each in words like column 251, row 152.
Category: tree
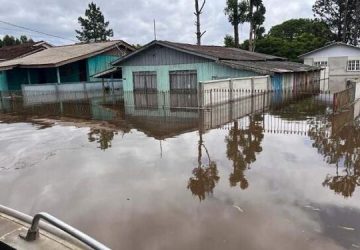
column 10, row 40
column 198, row 12
column 236, row 13
column 256, row 17
column 93, row 26
column 229, row 41
column 342, row 17
column 293, row 38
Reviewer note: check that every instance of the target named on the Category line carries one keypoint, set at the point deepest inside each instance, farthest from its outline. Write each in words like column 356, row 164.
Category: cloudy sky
column 132, row 20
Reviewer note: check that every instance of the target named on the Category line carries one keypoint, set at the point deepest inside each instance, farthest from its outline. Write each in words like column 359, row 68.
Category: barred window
column 321, row 64
column 353, row 65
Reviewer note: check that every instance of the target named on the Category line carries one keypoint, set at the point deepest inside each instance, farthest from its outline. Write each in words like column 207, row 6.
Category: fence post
column 252, row 86
column 231, row 89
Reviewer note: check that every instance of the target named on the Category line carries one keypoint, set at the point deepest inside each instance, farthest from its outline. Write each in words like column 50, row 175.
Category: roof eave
column 164, row 44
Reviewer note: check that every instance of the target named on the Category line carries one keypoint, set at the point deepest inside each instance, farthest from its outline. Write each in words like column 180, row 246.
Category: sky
column 132, row 20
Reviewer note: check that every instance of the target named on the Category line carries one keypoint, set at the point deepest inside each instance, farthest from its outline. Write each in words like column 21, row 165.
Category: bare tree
column 197, row 13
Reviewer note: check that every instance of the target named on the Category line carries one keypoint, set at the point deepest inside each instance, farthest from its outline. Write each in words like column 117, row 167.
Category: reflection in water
column 242, row 146
column 103, row 137
column 342, row 149
column 271, row 210
column 205, row 176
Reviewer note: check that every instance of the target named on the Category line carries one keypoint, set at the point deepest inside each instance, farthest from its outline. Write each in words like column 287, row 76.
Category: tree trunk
column 251, row 35
column 357, row 23
column 236, row 35
column 198, row 11
column 345, row 22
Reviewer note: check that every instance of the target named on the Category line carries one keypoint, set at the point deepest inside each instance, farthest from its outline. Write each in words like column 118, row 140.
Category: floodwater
column 135, row 174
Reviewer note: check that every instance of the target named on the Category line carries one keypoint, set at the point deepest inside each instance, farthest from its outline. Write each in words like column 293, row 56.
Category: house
column 62, row 64
column 21, row 50
column 340, row 62
column 169, row 66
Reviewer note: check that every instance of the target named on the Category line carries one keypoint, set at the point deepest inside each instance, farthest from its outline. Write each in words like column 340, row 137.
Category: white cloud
column 133, row 20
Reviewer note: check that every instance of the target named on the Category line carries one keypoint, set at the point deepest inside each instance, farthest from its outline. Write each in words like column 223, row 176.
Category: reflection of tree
column 342, row 149
column 103, row 137
column 242, row 146
column 205, row 176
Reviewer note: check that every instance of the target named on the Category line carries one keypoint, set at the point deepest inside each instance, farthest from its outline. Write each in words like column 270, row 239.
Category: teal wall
column 98, row 64
column 3, row 81
column 205, row 71
column 16, row 77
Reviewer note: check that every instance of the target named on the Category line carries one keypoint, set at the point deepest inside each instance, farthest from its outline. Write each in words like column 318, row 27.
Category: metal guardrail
column 33, row 232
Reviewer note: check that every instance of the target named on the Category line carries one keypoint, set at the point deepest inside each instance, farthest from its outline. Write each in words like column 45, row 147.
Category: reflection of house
column 341, row 63
column 63, row 64
column 168, row 66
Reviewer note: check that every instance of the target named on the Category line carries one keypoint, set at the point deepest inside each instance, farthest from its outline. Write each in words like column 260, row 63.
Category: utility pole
column 197, row 13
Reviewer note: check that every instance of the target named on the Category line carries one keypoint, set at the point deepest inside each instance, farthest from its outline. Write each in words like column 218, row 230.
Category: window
column 321, row 64
column 183, row 80
column 145, row 81
column 353, row 65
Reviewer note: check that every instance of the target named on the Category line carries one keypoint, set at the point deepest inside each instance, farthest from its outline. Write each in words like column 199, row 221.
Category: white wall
column 335, row 51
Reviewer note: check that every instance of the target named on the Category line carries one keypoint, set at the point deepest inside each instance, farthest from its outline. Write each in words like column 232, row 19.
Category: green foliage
column 293, row 38
column 93, row 26
column 229, row 41
column 10, row 40
column 342, row 17
column 237, row 14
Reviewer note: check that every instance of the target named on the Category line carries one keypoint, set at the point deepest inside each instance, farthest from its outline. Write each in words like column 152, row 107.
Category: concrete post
column 58, row 75
column 28, row 76
column 231, row 89
column 357, row 91
column 252, row 86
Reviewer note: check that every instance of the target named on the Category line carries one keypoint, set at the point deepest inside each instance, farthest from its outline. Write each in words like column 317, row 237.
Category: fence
column 48, row 93
column 344, row 98
column 222, row 91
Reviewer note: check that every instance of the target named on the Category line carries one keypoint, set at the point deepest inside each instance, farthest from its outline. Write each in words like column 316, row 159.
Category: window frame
column 353, row 65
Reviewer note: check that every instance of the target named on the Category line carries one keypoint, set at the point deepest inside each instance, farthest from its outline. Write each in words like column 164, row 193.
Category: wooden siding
column 98, row 64
column 3, row 81
column 159, row 55
column 205, row 72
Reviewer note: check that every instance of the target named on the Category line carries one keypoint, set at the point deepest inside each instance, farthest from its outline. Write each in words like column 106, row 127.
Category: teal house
column 169, row 66
column 62, row 64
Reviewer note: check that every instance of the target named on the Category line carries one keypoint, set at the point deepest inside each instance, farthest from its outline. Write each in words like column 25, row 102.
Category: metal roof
column 207, row 51
column 21, row 50
column 328, row 46
column 269, row 67
column 61, row 55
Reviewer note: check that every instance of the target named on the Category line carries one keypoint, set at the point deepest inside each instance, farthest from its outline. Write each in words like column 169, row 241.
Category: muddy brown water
column 137, row 178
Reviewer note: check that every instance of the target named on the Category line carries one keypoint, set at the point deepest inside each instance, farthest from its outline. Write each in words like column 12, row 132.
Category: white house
column 341, row 63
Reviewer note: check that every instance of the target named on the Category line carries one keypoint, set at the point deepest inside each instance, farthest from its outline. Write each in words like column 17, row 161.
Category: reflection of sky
column 130, row 197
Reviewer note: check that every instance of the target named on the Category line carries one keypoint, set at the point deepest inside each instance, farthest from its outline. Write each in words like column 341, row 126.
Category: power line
column 36, row 31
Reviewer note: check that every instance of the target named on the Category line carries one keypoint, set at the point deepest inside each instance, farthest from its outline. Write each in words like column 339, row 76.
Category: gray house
column 340, row 63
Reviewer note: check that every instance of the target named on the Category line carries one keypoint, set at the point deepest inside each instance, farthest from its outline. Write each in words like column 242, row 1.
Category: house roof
column 231, row 57
column 61, row 55
column 207, row 51
column 328, row 46
column 269, row 67
column 21, row 50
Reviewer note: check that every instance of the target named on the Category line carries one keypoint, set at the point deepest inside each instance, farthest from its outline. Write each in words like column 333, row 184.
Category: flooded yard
column 264, row 173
